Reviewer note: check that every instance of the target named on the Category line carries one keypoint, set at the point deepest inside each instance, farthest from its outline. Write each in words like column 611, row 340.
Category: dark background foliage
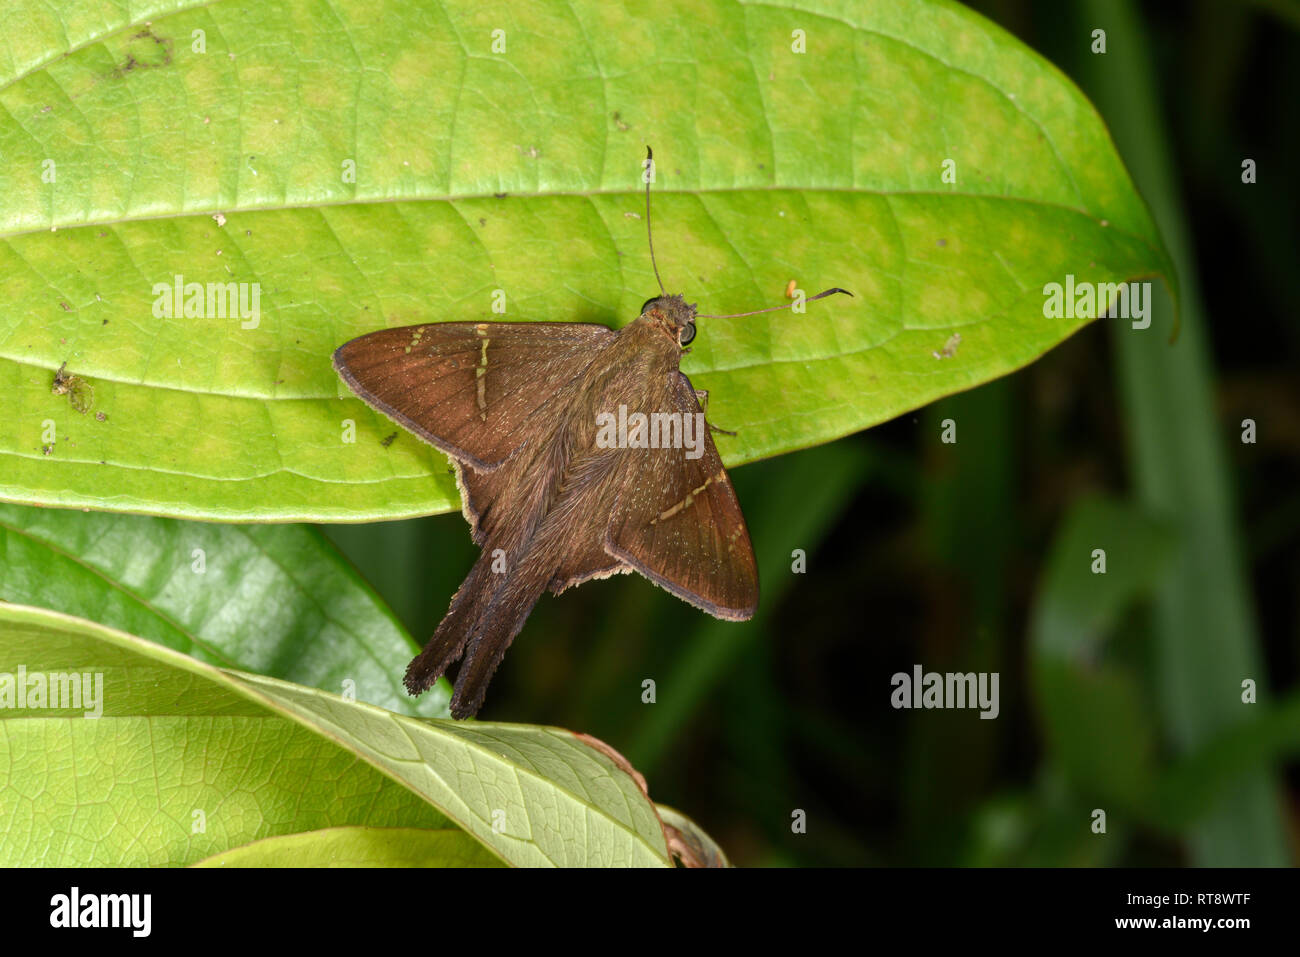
column 920, row 552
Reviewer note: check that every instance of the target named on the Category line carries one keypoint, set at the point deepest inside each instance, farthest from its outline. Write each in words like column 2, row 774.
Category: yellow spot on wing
column 416, row 336
column 480, row 374
column 689, row 499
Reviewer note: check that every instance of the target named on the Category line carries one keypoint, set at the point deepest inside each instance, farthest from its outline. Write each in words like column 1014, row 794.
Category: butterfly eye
column 646, row 305
column 686, row 334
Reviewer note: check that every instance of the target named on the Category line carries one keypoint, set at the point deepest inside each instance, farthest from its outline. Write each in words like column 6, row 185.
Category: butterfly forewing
column 677, row 521
column 470, row 389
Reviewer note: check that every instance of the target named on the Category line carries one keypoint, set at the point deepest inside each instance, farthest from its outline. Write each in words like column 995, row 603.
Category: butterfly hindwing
column 677, row 521
column 585, row 558
column 468, row 388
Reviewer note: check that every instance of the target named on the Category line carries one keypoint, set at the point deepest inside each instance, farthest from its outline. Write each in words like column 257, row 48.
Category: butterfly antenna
column 649, row 167
column 737, row 315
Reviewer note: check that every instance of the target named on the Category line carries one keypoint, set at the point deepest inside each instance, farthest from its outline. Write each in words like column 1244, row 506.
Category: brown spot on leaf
column 78, row 390
column 145, row 51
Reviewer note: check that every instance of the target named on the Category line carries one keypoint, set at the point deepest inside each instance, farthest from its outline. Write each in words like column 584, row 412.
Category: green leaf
column 1080, row 600
column 131, row 786
column 233, row 165
column 1200, row 786
column 1096, row 714
column 359, row 847
column 275, row 599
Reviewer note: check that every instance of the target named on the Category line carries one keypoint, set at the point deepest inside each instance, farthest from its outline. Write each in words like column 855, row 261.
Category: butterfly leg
column 702, row 397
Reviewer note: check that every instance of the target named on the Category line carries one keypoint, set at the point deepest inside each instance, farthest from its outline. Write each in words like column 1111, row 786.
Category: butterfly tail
column 455, row 629
column 501, row 620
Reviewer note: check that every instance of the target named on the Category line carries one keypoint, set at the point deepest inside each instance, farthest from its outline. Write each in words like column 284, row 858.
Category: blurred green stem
column 1206, row 641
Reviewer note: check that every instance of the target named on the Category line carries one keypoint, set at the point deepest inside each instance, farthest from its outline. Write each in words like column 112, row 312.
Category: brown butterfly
column 580, row 453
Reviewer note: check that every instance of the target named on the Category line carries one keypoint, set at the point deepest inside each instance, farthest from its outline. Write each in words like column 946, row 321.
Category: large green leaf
column 230, row 165
column 278, row 600
column 250, row 757
column 359, row 847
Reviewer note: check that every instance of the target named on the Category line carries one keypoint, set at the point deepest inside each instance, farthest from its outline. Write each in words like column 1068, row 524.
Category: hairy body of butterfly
column 515, row 406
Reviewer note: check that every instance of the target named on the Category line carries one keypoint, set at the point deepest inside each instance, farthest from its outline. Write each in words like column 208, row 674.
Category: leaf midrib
column 209, row 212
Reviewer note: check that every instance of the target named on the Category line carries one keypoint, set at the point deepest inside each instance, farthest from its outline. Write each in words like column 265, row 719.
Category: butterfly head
column 674, row 315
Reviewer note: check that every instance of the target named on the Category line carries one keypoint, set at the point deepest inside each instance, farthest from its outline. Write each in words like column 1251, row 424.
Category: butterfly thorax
column 633, row 374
